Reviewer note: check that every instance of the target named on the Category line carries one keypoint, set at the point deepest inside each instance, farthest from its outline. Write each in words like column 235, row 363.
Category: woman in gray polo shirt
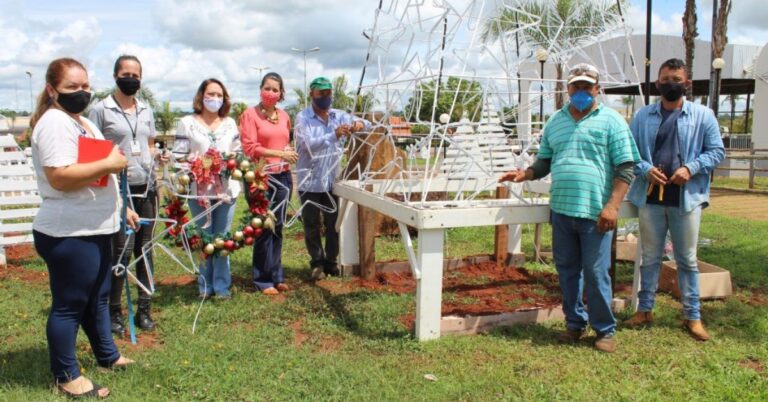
column 130, row 124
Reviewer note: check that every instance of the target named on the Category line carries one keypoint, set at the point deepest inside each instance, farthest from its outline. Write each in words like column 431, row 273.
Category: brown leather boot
column 570, row 335
column 696, row 329
column 640, row 319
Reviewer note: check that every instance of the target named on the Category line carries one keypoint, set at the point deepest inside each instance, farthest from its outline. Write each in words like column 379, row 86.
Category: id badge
column 135, row 148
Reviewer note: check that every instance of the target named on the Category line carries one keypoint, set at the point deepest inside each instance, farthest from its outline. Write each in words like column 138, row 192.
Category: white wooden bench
column 19, row 197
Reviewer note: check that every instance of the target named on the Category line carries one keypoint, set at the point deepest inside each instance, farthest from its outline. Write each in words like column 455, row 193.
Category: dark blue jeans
column 146, row 207
column 583, row 258
column 80, row 275
column 268, row 248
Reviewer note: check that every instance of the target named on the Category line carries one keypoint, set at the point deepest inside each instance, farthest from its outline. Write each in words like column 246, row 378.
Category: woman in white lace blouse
column 211, row 127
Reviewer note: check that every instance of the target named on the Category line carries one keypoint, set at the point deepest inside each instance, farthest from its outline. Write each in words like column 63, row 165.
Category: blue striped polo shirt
column 584, row 156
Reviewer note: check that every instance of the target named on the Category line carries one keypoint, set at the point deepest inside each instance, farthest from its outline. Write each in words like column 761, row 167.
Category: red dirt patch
column 752, row 363
column 299, row 337
column 144, row 341
column 20, row 253
column 181, row 280
column 481, row 289
column 11, row 271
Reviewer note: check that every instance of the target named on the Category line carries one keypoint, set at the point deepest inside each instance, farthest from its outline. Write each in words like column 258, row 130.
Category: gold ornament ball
column 223, row 253
column 237, row 174
column 245, row 165
column 250, row 176
column 209, row 249
column 238, row 236
column 181, row 189
column 218, row 243
column 256, row 223
column 184, row 179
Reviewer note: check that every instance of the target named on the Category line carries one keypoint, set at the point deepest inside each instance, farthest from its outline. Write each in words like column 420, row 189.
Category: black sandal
column 93, row 393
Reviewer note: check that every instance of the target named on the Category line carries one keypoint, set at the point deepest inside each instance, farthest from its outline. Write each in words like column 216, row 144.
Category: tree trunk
column 689, row 38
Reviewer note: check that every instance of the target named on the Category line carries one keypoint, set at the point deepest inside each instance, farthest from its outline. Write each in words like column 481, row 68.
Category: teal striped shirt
column 584, row 156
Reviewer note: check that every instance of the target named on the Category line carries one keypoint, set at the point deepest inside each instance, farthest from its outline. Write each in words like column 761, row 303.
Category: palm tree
column 145, row 94
column 340, row 98
column 689, row 38
column 556, row 25
column 721, row 28
column 165, row 118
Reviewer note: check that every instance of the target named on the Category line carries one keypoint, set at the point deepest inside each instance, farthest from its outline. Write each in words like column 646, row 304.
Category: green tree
column 468, row 95
column 556, row 24
column 340, row 98
column 628, row 101
column 165, row 118
column 237, row 110
column 145, row 95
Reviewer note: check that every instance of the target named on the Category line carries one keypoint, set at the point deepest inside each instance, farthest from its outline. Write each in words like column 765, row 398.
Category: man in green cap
column 320, row 134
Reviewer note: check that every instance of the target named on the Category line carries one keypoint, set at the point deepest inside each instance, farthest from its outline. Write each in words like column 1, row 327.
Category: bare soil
column 482, row 289
column 738, row 204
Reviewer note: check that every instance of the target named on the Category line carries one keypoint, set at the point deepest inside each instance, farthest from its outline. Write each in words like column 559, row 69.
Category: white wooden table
column 431, row 219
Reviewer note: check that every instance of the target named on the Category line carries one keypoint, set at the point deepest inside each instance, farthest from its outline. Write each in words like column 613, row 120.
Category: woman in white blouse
column 210, row 127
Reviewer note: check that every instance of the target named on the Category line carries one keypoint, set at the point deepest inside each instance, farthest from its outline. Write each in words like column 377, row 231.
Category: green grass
column 761, row 183
column 316, row 345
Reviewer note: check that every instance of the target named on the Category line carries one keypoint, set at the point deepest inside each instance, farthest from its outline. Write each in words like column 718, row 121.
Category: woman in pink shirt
column 265, row 134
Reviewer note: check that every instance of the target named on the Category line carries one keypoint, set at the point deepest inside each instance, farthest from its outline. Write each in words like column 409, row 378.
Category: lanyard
column 135, row 127
column 79, row 128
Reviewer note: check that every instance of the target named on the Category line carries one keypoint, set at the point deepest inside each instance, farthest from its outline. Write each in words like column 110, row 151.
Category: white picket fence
column 19, row 197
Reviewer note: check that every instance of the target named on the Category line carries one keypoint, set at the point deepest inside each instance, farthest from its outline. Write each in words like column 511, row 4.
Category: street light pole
column 304, row 52
column 31, row 102
column 717, row 66
column 260, row 70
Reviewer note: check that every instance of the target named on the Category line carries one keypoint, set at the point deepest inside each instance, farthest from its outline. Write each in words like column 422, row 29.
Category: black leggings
column 146, row 207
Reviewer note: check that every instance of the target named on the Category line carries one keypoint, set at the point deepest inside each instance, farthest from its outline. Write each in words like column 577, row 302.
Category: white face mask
column 213, row 104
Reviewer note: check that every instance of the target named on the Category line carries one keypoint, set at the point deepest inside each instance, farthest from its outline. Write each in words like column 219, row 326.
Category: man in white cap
column 590, row 152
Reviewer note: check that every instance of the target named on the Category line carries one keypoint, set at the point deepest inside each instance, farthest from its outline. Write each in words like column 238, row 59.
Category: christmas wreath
column 208, row 172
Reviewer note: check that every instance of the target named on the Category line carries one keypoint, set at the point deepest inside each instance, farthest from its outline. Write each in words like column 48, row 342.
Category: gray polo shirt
column 131, row 131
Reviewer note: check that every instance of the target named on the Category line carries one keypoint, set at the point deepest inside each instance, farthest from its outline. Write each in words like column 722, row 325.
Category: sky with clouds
column 181, row 42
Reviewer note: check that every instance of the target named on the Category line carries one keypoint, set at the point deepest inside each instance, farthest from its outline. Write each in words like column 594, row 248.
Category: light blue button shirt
column 701, row 150
column 318, row 148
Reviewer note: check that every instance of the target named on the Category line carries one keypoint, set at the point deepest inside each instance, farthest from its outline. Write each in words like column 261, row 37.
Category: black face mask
column 128, row 85
column 672, row 91
column 74, row 102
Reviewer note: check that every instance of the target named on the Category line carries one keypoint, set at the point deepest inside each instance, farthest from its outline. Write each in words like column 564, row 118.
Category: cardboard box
column 626, row 248
column 714, row 282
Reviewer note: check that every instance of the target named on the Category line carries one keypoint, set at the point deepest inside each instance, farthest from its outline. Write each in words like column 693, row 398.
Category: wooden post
column 752, row 166
column 537, row 242
column 612, row 269
column 367, row 231
column 501, row 238
column 429, row 287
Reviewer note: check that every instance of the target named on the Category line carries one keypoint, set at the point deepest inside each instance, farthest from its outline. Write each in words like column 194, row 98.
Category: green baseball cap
column 320, row 83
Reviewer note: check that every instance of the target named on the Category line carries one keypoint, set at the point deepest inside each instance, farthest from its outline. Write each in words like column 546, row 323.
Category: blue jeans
column 580, row 250
column 268, row 248
column 80, row 272
column 655, row 220
column 215, row 276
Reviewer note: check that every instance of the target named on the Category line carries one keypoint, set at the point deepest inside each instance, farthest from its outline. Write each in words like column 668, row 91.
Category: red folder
column 90, row 150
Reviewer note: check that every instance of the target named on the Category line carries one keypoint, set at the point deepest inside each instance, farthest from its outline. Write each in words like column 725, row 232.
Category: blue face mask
column 323, row 102
column 582, row 100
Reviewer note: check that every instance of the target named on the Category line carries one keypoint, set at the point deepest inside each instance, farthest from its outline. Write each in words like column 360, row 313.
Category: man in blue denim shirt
column 320, row 135
column 680, row 145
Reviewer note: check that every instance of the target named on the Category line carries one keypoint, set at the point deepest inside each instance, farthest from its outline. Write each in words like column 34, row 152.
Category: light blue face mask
column 582, row 100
